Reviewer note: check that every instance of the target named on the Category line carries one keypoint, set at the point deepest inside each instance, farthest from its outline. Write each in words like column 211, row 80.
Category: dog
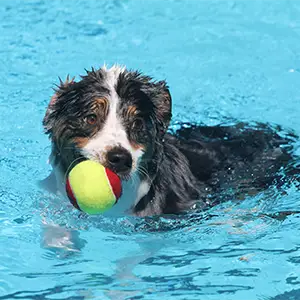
column 121, row 119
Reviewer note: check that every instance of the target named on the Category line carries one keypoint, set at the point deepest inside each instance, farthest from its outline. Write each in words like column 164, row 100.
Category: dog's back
column 241, row 157
column 216, row 163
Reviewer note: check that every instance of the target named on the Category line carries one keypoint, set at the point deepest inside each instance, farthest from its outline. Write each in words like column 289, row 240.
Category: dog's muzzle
column 119, row 160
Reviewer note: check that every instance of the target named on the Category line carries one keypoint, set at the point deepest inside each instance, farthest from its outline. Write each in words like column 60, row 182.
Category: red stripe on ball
column 115, row 183
column 71, row 195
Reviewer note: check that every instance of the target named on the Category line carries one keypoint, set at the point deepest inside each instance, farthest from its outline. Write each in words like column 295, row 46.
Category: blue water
column 224, row 61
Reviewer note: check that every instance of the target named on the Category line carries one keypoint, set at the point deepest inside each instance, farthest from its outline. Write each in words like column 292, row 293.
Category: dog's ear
column 60, row 88
column 162, row 101
column 164, row 105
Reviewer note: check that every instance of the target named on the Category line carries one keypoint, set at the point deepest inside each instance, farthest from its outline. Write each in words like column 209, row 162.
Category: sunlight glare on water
column 224, row 61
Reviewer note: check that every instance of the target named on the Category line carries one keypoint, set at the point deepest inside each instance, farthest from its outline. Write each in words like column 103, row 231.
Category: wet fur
column 205, row 163
column 181, row 170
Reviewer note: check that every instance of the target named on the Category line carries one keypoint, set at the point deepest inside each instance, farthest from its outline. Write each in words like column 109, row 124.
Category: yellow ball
column 92, row 188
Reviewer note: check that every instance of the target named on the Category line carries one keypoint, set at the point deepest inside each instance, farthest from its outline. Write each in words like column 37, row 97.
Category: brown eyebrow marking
column 81, row 141
column 103, row 103
column 136, row 146
column 132, row 110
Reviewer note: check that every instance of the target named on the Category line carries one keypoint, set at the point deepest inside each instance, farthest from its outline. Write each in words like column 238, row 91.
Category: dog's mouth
column 118, row 160
column 124, row 176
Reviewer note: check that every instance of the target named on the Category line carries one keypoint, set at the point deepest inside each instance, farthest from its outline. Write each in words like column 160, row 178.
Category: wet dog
column 121, row 118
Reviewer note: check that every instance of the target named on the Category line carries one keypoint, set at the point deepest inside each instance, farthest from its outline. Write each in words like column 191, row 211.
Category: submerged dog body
column 120, row 118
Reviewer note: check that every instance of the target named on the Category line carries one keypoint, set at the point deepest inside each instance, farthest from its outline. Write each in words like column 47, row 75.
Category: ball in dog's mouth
column 92, row 188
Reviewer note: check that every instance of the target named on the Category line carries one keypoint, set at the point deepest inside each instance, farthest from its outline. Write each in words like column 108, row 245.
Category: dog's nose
column 119, row 160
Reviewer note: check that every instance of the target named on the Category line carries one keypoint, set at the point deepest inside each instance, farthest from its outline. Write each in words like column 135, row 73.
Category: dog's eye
column 91, row 119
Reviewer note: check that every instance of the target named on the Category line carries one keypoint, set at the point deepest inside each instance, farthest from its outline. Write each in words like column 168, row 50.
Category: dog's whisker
column 133, row 181
column 141, row 170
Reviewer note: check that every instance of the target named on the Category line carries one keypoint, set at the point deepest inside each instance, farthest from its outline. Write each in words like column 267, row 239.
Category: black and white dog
column 120, row 118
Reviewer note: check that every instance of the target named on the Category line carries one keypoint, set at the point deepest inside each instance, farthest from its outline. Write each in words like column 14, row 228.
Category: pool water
column 224, row 61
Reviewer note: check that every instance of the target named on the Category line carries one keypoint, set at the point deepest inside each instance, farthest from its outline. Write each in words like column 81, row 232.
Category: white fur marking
column 143, row 190
column 113, row 133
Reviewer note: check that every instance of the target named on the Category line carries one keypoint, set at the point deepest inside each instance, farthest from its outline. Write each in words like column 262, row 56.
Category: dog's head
column 114, row 116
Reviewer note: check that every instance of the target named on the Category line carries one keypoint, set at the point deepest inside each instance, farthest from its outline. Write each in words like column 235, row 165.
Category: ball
column 92, row 188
